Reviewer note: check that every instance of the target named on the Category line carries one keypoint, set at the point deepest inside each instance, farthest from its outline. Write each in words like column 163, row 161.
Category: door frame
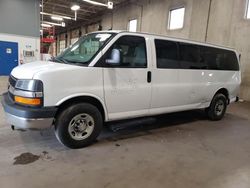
column 129, row 114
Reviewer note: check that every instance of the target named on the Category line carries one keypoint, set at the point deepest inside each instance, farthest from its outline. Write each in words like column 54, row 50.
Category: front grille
column 12, row 81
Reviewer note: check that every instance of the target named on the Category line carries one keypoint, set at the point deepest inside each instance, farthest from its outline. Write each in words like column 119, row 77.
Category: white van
column 114, row 75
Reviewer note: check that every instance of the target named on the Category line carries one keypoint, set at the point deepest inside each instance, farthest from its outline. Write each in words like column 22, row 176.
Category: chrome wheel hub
column 81, row 126
column 219, row 107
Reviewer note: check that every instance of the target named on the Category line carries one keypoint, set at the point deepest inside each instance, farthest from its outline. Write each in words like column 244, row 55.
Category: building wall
column 20, row 22
column 153, row 17
column 20, row 17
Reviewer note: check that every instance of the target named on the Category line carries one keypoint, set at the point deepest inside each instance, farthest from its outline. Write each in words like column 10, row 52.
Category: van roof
column 168, row 37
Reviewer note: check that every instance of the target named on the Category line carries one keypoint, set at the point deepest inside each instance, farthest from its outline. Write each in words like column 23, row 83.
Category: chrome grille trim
column 12, row 81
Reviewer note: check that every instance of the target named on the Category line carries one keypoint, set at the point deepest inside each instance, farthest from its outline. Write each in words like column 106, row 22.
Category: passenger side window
column 167, row 54
column 132, row 50
column 190, row 57
column 210, row 57
column 219, row 59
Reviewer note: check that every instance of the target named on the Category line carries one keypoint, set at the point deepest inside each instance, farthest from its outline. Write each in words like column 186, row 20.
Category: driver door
column 127, row 89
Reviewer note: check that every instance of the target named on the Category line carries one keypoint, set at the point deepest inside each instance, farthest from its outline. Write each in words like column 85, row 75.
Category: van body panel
column 126, row 90
column 28, row 70
column 70, row 82
column 76, row 95
column 201, row 85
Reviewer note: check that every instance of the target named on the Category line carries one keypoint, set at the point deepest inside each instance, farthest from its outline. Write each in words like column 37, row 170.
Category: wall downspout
column 208, row 19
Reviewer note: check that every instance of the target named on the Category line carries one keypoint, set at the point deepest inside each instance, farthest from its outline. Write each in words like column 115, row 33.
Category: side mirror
column 115, row 57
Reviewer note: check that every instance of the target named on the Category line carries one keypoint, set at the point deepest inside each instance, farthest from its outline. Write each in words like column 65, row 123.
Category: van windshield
column 84, row 50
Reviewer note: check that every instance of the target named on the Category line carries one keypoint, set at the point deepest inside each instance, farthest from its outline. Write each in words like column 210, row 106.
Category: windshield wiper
column 79, row 63
column 64, row 60
column 60, row 60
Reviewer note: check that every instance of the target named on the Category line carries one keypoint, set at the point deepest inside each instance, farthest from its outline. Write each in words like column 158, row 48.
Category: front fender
column 61, row 101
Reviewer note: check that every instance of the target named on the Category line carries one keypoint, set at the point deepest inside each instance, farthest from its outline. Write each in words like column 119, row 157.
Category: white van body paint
column 125, row 92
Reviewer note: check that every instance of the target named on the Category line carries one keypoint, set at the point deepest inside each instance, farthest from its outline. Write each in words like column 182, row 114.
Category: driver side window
column 132, row 52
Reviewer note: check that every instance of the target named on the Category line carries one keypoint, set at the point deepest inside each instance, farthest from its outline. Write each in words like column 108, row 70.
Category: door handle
column 149, row 76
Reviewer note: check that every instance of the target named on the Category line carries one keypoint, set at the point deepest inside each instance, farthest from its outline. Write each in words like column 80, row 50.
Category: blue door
column 8, row 57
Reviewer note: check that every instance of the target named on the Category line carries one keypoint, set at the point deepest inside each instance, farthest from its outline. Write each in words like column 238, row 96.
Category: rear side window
column 190, row 57
column 230, row 61
column 203, row 57
column 167, row 54
column 210, row 57
column 219, row 59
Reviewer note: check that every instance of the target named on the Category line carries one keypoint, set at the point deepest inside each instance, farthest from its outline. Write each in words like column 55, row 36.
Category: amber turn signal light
column 28, row 101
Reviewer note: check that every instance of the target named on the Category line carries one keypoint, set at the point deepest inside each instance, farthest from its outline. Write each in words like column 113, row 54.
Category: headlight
column 29, row 85
column 28, row 92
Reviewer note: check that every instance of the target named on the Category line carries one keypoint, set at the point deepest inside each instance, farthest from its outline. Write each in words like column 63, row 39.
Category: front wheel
column 78, row 125
column 217, row 108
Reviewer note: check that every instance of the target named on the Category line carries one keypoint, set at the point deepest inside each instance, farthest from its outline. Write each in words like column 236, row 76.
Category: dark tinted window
column 202, row 57
column 132, row 50
column 230, row 61
column 219, row 59
column 209, row 56
column 190, row 57
column 167, row 54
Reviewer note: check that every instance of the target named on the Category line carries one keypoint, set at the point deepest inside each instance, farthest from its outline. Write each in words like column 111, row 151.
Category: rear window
column 181, row 55
column 219, row 59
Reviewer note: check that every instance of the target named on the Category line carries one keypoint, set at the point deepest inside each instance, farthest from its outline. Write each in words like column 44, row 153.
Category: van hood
column 28, row 70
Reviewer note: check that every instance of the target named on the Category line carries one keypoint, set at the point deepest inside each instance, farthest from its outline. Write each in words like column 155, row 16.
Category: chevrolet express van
column 115, row 75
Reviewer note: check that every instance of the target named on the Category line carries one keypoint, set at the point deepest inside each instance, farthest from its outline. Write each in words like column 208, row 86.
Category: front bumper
column 26, row 117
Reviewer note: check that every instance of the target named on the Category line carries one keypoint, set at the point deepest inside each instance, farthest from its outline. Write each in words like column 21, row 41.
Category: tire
column 78, row 125
column 217, row 108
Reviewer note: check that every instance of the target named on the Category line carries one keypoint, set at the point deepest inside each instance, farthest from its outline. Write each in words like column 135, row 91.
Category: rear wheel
column 78, row 125
column 217, row 108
